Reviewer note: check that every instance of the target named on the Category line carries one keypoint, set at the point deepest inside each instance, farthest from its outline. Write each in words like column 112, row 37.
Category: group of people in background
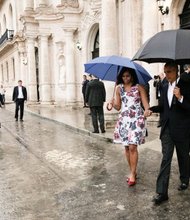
column 131, row 100
column 2, row 96
column 94, row 96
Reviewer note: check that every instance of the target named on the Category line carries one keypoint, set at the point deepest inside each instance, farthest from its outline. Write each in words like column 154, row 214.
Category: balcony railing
column 8, row 35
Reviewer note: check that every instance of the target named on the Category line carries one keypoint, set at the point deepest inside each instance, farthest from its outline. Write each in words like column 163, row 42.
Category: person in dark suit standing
column 95, row 97
column 84, row 83
column 174, row 107
column 19, row 97
column 159, row 82
column 185, row 76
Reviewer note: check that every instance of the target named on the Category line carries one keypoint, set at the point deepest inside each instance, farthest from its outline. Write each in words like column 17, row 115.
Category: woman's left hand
column 147, row 113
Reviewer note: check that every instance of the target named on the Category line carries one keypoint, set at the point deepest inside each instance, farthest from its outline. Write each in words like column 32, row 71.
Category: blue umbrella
column 108, row 68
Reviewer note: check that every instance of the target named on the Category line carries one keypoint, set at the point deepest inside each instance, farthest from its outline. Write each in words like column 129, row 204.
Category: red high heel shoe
column 128, row 179
column 131, row 183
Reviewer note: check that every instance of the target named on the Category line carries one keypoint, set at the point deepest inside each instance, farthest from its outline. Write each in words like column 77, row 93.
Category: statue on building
column 62, row 71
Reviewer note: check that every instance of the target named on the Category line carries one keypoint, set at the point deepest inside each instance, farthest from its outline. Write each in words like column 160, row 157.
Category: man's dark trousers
column 19, row 105
column 97, row 114
column 182, row 148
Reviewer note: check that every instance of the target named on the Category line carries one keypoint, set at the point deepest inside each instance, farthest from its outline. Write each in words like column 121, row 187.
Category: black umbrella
column 170, row 45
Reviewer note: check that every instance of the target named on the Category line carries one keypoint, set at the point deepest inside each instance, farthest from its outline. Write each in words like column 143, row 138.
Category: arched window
column 185, row 16
column 13, row 68
column 2, row 73
column 7, row 69
column 95, row 52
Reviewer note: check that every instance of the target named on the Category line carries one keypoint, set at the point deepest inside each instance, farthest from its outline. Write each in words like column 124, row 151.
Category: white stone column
column 109, row 29
column 44, row 70
column 32, row 90
column 23, row 67
column 148, row 30
column 28, row 5
column 109, row 46
column 21, row 59
column 70, row 67
column 17, row 68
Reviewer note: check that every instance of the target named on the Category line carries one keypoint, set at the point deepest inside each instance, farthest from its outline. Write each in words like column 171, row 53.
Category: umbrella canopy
column 108, row 68
column 170, row 45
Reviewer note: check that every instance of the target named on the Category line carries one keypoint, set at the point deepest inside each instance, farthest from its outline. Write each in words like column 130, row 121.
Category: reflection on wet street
column 50, row 172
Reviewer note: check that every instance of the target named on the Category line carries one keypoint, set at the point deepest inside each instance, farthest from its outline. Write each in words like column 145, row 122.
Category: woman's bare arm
column 117, row 99
column 144, row 100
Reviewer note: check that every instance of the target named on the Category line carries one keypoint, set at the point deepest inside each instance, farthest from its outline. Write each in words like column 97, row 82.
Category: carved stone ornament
column 70, row 3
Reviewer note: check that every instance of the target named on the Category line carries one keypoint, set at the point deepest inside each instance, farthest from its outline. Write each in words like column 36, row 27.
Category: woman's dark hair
column 131, row 72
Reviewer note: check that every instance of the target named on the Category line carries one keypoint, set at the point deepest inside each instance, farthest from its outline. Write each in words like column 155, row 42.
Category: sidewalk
column 78, row 119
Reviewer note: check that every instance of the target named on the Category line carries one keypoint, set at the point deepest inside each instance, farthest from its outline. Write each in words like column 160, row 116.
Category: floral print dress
column 130, row 127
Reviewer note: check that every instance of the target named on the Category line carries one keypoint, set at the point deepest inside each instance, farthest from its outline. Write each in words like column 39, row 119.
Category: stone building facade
column 46, row 42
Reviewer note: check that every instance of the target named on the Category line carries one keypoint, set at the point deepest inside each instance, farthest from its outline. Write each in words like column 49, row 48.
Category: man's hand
column 177, row 92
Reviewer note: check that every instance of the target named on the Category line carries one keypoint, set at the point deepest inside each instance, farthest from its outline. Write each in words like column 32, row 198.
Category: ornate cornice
column 48, row 14
column 69, row 3
column 91, row 16
column 71, row 6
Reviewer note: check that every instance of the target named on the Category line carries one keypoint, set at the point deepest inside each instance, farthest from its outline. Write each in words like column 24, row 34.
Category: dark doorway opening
column 37, row 73
column 185, row 16
column 185, row 22
column 95, row 52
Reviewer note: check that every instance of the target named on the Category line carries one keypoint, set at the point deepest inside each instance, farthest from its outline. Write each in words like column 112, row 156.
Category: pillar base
column 46, row 102
column 32, row 103
column 71, row 104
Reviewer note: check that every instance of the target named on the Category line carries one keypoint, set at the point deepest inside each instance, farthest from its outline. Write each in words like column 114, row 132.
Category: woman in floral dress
column 130, row 129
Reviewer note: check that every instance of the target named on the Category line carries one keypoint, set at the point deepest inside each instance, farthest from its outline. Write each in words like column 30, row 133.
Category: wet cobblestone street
column 50, row 172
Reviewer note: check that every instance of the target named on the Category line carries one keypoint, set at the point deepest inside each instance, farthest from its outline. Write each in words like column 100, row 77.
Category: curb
column 78, row 130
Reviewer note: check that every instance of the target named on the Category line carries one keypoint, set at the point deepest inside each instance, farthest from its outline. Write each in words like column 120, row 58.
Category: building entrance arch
column 95, row 52
column 93, row 42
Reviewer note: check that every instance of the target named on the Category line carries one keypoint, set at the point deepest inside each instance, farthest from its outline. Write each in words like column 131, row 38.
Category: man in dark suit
column 185, row 76
column 84, row 83
column 174, row 108
column 19, row 97
column 95, row 97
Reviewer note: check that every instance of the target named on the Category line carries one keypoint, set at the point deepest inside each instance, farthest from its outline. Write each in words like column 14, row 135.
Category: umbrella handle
column 110, row 105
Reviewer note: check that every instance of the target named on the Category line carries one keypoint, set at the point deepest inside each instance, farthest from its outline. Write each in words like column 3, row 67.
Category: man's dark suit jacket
column 84, row 86
column 178, row 115
column 15, row 93
column 95, row 93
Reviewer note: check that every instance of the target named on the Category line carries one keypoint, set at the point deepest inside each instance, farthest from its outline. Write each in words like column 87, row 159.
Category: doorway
column 185, row 16
column 95, row 52
column 37, row 73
